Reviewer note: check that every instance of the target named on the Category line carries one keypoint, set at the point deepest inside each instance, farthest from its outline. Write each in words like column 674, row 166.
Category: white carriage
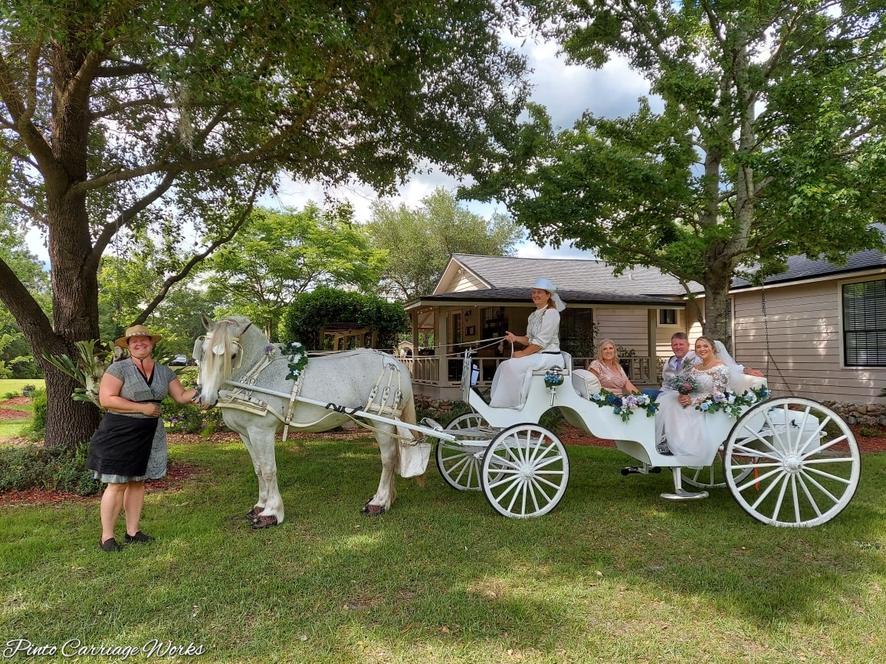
column 787, row 461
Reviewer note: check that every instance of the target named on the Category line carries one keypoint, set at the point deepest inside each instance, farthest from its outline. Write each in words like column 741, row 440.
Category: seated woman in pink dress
column 608, row 369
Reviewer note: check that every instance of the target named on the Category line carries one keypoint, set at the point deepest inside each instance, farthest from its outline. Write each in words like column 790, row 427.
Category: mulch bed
column 7, row 414
column 16, row 401
column 176, row 476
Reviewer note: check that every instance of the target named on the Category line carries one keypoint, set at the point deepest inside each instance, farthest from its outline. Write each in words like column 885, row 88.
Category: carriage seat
column 565, row 366
column 585, row 383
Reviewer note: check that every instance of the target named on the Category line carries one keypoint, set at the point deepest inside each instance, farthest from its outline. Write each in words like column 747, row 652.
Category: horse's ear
column 207, row 321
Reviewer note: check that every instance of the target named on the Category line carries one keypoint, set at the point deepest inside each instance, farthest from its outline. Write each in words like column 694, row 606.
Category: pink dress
column 611, row 380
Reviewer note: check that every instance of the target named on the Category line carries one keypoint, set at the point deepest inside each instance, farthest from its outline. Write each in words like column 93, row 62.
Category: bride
column 684, row 425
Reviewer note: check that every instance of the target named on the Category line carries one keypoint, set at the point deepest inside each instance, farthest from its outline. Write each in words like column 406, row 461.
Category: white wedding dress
column 684, row 427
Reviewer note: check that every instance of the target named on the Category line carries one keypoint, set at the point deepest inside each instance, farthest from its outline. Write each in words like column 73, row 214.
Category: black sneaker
column 138, row 538
column 109, row 545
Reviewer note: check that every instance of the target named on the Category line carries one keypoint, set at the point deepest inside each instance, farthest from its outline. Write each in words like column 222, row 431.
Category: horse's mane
column 220, row 337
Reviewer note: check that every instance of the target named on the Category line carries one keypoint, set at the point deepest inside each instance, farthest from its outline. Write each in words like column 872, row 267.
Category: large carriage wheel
column 458, row 463
column 525, row 471
column 803, row 460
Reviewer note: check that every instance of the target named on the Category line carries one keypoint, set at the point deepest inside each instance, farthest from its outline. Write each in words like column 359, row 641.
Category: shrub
column 188, row 418
column 28, row 390
column 306, row 317
column 38, row 423
column 59, row 469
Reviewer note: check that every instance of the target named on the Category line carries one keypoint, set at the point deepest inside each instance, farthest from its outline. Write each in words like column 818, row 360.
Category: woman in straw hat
column 541, row 346
column 130, row 443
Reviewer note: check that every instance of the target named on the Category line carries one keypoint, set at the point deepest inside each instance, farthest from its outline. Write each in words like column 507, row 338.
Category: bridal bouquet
column 683, row 383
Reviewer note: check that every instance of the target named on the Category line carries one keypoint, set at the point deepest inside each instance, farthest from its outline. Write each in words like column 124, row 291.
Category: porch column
column 652, row 332
column 414, row 317
column 442, row 327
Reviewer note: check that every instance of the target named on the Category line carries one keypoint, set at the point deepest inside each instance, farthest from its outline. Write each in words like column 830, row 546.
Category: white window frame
column 671, row 326
column 840, row 330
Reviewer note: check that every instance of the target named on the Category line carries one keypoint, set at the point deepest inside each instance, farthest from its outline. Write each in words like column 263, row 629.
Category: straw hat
column 136, row 331
column 546, row 284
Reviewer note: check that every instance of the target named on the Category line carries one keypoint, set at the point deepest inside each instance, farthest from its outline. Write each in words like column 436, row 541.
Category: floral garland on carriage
column 625, row 405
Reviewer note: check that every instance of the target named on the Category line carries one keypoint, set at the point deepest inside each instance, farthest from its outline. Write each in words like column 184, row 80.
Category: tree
column 305, row 318
column 278, row 255
column 169, row 115
column 770, row 141
column 420, row 242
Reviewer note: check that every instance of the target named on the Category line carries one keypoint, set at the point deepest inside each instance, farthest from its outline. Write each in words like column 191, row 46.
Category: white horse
column 235, row 350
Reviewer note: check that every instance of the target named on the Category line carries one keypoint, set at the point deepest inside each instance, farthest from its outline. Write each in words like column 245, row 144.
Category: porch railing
column 425, row 370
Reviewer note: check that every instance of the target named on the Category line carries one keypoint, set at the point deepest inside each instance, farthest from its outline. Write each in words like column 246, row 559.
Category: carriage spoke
column 552, row 446
column 540, row 490
column 829, row 460
column 514, row 497
column 820, row 487
column 548, row 472
column 766, row 492
column 535, row 450
column 822, row 473
column 548, row 482
column 784, row 485
column 514, row 483
column 504, row 480
column 820, row 428
column 471, row 467
column 759, row 479
column 808, row 495
column 821, row 448
column 796, row 499
column 802, row 427
column 747, row 451
column 523, row 501
column 531, row 490
column 741, row 466
column 783, row 446
column 500, row 460
column 546, row 463
column 458, row 464
column 777, row 453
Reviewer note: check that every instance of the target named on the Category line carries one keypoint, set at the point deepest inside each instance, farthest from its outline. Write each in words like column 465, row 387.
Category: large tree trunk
column 717, row 305
column 75, row 318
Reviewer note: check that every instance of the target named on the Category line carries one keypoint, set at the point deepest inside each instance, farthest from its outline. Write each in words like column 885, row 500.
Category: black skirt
column 121, row 445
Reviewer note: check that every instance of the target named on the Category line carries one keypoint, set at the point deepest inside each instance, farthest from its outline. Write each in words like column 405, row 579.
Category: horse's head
column 218, row 353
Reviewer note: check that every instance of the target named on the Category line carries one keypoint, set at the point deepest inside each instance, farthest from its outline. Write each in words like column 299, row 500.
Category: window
column 864, row 324
column 667, row 316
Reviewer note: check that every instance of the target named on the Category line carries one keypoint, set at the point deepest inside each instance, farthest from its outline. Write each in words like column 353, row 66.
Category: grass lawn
column 16, row 384
column 613, row 574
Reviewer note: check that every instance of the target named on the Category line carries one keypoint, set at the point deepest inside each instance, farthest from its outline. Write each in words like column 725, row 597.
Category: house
column 817, row 330
column 481, row 297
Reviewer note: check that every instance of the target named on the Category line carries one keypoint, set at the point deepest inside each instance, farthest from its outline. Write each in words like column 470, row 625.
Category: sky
column 565, row 90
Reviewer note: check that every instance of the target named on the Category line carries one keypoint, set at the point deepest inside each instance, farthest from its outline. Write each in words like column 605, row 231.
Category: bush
column 59, row 469
column 306, row 317
column 38, row 424
column 188, row 418
column 28, row 390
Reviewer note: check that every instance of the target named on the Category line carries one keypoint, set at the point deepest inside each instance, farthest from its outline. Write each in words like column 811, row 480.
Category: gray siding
column 805, row 343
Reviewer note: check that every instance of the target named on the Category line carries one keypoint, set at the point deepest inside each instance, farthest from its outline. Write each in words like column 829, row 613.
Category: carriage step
column 640, row 470
column 681, row 495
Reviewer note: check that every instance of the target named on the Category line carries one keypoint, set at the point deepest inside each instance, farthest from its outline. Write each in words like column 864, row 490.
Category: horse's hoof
column 254, row 512
column 373, row 510
column 264, row 521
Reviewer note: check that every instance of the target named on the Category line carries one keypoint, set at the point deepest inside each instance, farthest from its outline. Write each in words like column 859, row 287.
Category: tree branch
column 24, row 308
column 32, row 211
column 33, row 61
column 186, row 269
column 114, row 107
column 110, row 229
column 126, row 69
column 46, row 162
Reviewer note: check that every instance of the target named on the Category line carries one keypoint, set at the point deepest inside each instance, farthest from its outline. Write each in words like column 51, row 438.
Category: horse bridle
column 197, row 351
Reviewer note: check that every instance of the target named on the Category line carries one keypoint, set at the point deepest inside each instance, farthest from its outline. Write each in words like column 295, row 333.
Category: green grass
column 16, row 384
column 613, row 574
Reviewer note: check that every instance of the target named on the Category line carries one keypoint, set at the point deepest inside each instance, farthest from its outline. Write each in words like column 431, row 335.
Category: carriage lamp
column 553, row 380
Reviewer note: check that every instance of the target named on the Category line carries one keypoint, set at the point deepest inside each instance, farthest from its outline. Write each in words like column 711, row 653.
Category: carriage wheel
column 803, row 460
column 459, row 464
column 525, row 471
column 710, row 477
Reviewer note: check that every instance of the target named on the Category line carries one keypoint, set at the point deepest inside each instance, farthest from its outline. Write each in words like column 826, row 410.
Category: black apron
column 122, row 445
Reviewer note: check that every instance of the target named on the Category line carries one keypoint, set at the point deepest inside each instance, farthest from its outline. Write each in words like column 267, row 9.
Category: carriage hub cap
column 793, row 464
